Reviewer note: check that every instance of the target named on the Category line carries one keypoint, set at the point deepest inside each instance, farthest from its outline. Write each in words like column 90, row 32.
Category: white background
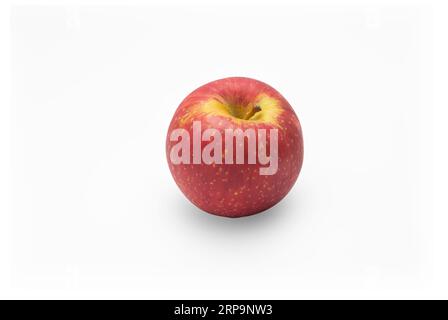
column 89, row 209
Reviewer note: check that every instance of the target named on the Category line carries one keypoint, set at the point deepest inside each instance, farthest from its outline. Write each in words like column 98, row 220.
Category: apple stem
column 252, row 112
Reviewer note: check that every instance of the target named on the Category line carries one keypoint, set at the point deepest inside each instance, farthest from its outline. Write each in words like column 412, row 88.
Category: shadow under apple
column 279, row 215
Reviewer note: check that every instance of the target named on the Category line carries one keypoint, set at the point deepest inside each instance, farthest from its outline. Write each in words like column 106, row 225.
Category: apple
column 234, row 147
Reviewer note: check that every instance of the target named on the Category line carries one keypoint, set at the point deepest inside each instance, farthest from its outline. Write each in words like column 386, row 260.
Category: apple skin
column 237, row 190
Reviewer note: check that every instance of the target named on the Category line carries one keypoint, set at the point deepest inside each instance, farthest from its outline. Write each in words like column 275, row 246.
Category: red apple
column 235, row 147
